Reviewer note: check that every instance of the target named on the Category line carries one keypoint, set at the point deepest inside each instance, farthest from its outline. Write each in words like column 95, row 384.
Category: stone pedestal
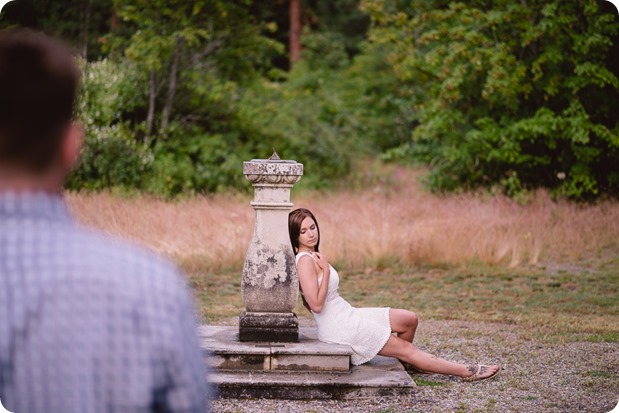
column 279, row 327
column 309, row 369
column 270, row 285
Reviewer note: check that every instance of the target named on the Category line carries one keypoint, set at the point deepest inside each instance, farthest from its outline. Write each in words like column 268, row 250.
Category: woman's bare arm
column 308, row 277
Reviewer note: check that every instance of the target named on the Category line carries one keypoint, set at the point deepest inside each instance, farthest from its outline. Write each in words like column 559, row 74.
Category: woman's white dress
column 365, row 330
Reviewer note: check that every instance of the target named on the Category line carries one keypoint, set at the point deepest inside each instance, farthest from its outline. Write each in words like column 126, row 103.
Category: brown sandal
column 478, row 374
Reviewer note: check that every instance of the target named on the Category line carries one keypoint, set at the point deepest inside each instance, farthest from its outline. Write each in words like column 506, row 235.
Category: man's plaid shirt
column 88, row 323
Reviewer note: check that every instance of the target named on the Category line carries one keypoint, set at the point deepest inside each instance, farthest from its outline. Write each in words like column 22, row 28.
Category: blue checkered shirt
column 88, row 323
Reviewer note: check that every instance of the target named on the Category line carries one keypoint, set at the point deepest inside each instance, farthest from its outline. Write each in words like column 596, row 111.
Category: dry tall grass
column 368, row 227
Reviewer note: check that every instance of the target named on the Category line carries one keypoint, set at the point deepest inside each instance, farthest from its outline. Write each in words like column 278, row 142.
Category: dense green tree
column 339, row 24
column 82, row 22
column 176, row 42
column 508, row 95
column 520, row 94
column 182, row 110
column 342, row 20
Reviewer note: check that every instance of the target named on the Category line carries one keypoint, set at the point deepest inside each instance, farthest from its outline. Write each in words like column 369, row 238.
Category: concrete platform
column 309, row 354
column 309, row 369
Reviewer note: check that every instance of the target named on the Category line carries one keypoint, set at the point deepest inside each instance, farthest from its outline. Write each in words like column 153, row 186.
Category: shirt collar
column 39, row 205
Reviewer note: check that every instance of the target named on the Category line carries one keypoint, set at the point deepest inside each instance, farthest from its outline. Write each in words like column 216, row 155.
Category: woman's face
column 308, row 236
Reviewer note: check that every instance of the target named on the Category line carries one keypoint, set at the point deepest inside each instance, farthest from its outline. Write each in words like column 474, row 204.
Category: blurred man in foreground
column 87, row 323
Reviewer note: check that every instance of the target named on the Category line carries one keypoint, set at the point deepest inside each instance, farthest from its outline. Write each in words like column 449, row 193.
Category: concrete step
column 309, row 369
column 382, row 376
column 309, row 354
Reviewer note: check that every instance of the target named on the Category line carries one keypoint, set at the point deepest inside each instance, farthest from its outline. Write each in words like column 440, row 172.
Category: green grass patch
column 562, row 305
column 600, row 374
column 612, row 337
column 218, row 295
column 420, row 381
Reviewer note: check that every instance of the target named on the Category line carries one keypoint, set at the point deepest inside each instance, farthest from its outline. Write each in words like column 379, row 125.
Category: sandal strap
column 478, row 372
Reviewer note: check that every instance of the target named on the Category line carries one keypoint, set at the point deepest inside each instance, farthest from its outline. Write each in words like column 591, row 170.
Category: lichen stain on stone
column 264, row 267
column 291, row 267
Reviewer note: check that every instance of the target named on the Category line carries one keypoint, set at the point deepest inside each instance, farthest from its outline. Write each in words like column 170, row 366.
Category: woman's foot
column 481, row 372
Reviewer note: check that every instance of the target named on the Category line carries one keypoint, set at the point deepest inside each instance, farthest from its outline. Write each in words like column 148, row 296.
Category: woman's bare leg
column 404, row 323
column 407, row 352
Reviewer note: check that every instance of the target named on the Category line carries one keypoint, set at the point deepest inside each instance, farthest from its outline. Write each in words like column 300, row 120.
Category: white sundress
column 365, row 330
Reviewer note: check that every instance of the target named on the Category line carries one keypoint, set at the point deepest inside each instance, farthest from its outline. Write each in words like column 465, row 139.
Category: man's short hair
column 38, row 85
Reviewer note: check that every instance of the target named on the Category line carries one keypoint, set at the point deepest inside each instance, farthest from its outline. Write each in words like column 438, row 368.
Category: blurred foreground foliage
column 508, row 96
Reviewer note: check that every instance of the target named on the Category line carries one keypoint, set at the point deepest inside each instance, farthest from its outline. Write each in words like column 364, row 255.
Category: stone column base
column 268, row 327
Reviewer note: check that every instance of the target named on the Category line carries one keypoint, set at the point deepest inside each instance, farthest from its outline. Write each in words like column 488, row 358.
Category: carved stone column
column 270, row 284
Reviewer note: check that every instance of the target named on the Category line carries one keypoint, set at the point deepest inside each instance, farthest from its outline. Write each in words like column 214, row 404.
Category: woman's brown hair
column 295, row 218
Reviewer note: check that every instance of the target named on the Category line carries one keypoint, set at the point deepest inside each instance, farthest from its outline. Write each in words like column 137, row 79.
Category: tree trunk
column 167, row 109
column 295, row 32
column 151, row 103
column 86, row 12
column 114, row 20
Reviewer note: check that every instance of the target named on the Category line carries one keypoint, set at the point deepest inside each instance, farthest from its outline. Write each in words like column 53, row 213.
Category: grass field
column 552, row 267
column 566, row 304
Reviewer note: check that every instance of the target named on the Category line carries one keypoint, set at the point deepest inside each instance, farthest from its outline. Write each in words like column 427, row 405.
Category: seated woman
column 368, row 331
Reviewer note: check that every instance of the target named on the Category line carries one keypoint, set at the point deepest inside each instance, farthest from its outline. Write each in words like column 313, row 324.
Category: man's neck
column 25, row 182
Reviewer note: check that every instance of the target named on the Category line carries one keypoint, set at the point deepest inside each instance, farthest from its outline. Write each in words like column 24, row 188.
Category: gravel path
column 540, row 375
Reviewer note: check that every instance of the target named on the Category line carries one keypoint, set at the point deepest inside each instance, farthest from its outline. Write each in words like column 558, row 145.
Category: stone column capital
column 272, row 172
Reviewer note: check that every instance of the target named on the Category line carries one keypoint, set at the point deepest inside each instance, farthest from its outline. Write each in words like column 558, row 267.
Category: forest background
column 502, row 95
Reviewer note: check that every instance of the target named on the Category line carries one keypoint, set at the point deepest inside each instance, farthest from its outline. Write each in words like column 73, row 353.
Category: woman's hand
column 308, row 269
column 322, row 261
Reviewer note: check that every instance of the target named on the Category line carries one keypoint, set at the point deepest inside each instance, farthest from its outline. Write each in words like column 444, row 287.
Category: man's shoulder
column 106, row 245
column 103, row 255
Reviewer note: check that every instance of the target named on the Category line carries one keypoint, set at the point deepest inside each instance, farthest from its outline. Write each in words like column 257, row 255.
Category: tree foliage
column 224, row 107
column 490, row 93
column 518, row 94
column 81, row 22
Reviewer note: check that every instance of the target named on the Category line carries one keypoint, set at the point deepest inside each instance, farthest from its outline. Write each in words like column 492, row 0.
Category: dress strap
column 299, row 255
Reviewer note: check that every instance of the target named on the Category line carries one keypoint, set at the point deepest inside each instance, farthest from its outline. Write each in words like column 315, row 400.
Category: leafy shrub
column 112, row 158
column 301, row 121
column 192, row 161
column 111, row 154
column 511, row 94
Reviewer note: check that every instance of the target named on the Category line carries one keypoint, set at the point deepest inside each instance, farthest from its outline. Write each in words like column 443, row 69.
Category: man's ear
column 72, row 146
